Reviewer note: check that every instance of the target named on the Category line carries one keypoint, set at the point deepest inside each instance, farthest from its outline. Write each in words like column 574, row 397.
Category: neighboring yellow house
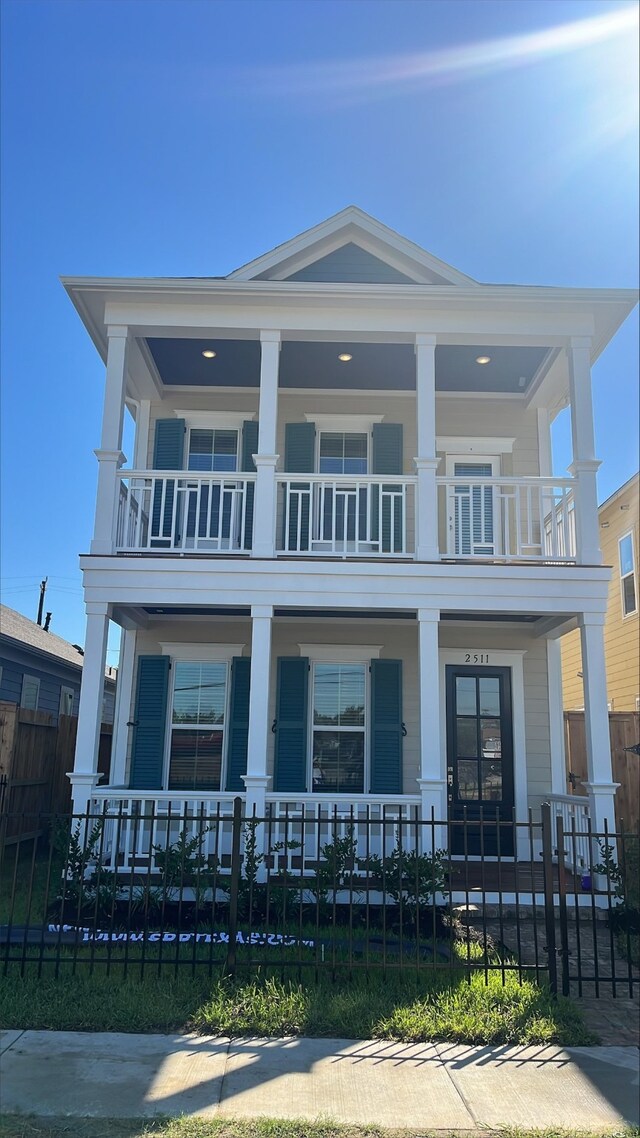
column 619, row 539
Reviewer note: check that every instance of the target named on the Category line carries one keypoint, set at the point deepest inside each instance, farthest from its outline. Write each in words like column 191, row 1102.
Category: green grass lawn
column 18, row 1127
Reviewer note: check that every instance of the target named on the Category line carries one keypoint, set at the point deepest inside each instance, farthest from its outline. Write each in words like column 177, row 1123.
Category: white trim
column 475, row 445
column 202, row 653
column 357, row 424
column 341, row 653
column 229, row 420
column 556, row 717
column 512, row 659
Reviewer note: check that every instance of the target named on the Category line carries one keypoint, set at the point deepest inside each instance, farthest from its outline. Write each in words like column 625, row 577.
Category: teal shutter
column 168, row 446
column 290, row 773
column 249, row 448
column 150, row 718
column 168, row 454
column 299, row 458
column 387, row 459
column 386, row 726
column 300, row 448
column 238, row 733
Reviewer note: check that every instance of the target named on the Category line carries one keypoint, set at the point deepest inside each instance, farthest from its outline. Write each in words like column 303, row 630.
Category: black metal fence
column 305, row 892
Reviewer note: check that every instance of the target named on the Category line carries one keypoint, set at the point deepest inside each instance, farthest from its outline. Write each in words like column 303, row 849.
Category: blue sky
column 146, row 138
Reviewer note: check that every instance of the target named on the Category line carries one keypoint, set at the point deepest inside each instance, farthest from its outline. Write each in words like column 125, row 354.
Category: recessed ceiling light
column 483, row 359
column 522, row 382
column 345, row 357
column 209, row 354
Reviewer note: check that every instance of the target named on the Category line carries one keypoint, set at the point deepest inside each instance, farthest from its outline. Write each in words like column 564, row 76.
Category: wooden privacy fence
column 624, row 732
column 36, row 753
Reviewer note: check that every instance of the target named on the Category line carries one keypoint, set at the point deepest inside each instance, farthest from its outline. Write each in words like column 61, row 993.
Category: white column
column 426, row 462
column 264, row 514
column 84, row 775
column 109, row 454
column 141, row 453
column 600, row 786
column 122, row 712
column 433, row 761
column 256, row 779
column 585, row 465
column 556, row 717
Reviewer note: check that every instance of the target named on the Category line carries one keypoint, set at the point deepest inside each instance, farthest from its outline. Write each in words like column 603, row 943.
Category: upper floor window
column 198, row 715
column 30, row 692
column 342, row 452
column 213, row 449
column 628, row 575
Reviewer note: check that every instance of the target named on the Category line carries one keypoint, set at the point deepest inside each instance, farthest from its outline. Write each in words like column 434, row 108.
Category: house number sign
column 476, row 657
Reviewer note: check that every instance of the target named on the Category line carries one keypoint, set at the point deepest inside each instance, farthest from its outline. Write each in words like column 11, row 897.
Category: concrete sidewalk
column 436, row 1086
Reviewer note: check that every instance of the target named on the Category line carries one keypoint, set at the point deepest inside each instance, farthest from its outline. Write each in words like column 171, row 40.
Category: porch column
column 426, row 461
column 556, row 717
column 264, row 515
column 122, row 712
column 601, row 788
column 585, row 465
column 256, row 779
column 433, row 763
column 109, row 454
column 85, row 769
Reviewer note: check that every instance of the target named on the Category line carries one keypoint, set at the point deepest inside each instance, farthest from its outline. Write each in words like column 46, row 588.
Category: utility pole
column 43, row 589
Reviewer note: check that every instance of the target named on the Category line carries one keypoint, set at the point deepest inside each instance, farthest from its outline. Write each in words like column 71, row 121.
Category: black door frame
column 482, row 840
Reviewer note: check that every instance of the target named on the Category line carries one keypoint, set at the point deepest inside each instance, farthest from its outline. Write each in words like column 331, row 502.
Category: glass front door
column 480, row 759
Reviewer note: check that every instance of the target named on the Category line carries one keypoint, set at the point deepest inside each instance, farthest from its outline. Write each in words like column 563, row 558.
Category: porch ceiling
column 373, row 366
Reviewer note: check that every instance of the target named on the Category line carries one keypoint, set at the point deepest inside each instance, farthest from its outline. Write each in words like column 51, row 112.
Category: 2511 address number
column 476, row 657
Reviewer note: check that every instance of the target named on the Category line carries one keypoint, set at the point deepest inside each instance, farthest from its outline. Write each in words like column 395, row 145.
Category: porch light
column 483, row 359
column 208, row 354
column 345, row 357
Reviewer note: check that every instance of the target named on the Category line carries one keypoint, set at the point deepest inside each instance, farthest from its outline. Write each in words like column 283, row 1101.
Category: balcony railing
column 367, row 516
column 178, row 512
column 518, row 519
column 364, row 516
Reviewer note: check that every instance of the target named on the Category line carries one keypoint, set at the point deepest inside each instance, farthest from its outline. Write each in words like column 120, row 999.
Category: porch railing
column 528, row 519
column 576, row 854
column 179, row 512
column 363, row 516
column 313, row 822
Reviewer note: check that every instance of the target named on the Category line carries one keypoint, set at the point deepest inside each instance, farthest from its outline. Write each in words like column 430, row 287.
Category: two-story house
column 338, row 555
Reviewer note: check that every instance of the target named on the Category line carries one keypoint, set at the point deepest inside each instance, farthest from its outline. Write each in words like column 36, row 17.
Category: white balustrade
column 136, row 820
column 576, row 854
column 363, row 516
column 185, row 512
column 312, row 822
column 515, row 519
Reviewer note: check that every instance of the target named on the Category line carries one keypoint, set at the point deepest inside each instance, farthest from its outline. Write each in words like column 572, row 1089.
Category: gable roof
column 15, row 626
column 404, row 261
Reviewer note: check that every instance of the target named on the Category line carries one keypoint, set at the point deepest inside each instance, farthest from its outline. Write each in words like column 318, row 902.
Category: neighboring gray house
column 41, row 671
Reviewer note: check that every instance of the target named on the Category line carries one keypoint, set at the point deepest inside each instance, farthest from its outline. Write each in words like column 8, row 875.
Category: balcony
column 372, row 516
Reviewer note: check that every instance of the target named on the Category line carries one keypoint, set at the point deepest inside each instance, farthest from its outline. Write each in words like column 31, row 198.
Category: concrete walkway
column 436, row 1086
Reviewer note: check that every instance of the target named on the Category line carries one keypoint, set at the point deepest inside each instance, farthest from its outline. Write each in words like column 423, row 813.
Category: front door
column 480, row 759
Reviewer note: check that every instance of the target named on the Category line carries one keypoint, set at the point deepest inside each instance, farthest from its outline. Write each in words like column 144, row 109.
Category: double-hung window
column 338, row 726
column 628, row 582
column 342, row 452
column 198, row 719
column 213, row 449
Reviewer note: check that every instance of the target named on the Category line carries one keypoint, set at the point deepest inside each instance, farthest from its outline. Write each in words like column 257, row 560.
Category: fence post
column 235, row 881
column 549, row 915
column 562, row 902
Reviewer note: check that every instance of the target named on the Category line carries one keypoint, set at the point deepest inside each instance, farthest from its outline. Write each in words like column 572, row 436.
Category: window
column 338, row 725
column 342, row 452
column 213, row 449
column 30, row 693
column 198, row 715
column 628, row 575
column 66, row 701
